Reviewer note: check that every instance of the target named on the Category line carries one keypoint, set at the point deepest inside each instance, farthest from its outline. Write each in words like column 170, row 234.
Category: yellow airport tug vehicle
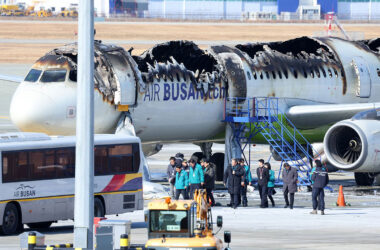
column 183, row 224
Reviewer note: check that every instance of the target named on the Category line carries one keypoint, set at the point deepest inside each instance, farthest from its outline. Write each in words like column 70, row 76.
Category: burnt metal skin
column 179, row 88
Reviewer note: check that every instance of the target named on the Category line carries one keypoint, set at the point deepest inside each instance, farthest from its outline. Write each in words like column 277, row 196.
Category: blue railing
column 285, row 139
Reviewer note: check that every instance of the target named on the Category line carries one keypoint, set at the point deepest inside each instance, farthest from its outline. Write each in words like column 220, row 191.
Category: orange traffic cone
column 341, row 202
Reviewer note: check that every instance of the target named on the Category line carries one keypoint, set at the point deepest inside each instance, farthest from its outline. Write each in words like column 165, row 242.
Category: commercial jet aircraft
column 174, row 92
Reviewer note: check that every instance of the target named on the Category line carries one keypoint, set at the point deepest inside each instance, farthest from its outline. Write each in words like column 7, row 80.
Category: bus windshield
column 164, row 221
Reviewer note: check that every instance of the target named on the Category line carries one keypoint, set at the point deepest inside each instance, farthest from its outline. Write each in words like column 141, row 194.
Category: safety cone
column 341, row 202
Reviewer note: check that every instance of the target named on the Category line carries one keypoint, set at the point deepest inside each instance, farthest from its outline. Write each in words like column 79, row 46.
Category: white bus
column 37, row 180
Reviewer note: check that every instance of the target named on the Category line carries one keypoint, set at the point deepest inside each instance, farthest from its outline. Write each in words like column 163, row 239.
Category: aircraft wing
column 17, row 79
column 311, row 116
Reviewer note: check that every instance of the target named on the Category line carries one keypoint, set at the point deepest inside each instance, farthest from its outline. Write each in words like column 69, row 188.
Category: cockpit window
column 54, row 75
column 33, row 75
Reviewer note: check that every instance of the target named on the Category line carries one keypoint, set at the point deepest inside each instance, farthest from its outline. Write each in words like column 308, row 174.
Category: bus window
column 136, row 157
column 49, row 167
column 65, row 159
column 36, row 161
column 120, row 158
column 7, row 168
column 21, row 169
column 101, row 161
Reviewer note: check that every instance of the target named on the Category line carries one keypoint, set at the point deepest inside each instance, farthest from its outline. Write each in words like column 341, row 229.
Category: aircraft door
column 363, row 82
column 125, row 78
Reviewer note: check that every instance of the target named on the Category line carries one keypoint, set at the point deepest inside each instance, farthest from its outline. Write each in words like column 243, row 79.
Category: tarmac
column 352, row 227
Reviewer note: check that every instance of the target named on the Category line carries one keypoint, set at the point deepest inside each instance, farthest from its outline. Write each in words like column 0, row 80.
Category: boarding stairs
column 249, row 117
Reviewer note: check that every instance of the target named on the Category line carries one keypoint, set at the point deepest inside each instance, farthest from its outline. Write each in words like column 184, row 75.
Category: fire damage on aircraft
column 106, row 56
column 185, row 62
column 180, row 61
column 300, row 57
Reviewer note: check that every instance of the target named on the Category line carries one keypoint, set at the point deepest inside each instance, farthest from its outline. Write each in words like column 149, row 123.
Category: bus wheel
column 46, row 224
column 11, row 220
column 99, row 210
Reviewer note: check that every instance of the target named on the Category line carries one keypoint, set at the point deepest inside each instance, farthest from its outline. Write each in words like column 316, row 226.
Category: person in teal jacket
column 196, row 177
column 181, row 182
column 247, row 181
column 272, row 178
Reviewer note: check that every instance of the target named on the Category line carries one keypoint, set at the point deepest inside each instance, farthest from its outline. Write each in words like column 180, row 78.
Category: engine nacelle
column 354, row 145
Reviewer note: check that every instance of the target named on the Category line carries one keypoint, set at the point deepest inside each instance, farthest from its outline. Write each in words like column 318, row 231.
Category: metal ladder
column 251, row 116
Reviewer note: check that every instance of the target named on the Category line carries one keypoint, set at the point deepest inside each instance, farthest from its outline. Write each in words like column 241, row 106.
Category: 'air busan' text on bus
column 180, row 91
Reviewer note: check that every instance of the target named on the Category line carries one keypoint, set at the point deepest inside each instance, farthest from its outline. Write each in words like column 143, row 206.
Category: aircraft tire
column 364, row 179
column 218, row 160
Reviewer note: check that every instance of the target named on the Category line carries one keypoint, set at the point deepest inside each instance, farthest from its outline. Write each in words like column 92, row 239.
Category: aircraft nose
column 32, row 110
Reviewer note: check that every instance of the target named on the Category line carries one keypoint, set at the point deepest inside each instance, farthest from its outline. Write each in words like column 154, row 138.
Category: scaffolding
column 249, row 117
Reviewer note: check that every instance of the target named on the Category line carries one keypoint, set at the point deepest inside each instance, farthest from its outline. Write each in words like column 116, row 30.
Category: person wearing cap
column 234, row 180
column 247, row 181
column 320, row 180
column 179, row 156
column 262, row 183
column 181, row 182
column 196, row 176
column 209, row 173
column 171, row 172
column 289, row 179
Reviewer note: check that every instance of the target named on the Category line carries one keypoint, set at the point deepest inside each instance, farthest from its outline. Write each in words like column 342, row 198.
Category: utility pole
column 84, row 162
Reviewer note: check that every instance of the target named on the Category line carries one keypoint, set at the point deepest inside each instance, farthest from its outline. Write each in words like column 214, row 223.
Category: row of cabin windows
column 273, row 74
column 284, row 73
column 45, row 164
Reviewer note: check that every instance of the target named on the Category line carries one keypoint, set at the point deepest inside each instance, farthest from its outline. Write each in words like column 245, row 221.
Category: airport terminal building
column 287, row 10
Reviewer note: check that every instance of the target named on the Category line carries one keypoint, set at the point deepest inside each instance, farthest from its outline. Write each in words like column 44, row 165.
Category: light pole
column 84, row 162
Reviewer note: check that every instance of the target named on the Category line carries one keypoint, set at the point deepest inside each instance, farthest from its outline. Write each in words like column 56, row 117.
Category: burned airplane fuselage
column 175, row 91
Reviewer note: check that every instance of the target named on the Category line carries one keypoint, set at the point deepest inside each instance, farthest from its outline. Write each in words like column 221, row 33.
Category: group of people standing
column 238, row 177
column 187, row 176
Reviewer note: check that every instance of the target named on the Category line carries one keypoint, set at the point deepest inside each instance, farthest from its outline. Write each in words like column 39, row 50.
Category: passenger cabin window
column 33, row 75
column 44, row 164
column 54, row 75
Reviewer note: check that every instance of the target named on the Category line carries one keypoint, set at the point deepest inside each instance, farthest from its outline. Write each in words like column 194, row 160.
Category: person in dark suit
column 262, row 183
column 234, row 180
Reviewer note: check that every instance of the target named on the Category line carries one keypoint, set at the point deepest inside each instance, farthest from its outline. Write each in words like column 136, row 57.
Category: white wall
column 204, row 9
column 359, row 10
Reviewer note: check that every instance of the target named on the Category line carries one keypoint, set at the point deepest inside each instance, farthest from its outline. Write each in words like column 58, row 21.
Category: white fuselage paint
column 51, row 108
column 175, row 111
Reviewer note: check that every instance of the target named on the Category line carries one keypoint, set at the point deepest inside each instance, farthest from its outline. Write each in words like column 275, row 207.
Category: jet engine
column 354, row 144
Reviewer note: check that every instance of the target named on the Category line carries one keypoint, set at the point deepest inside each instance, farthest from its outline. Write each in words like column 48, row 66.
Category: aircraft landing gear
column 364, row 179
